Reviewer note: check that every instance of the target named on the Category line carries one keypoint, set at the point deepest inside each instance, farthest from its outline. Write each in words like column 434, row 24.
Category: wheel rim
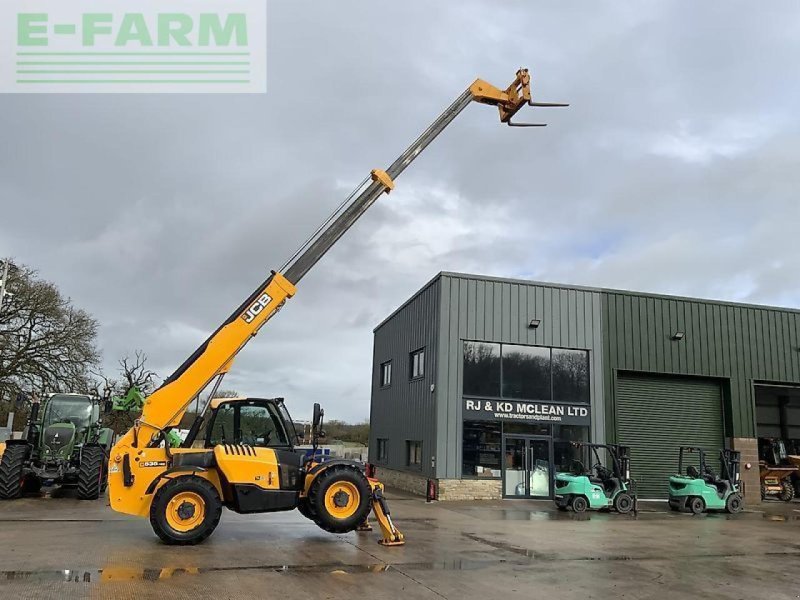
column 342, row 499
column 185, row 511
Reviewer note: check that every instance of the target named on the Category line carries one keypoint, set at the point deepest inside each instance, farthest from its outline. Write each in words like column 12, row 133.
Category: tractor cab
column 66, row 418
column 697, row 487
column 607, row 484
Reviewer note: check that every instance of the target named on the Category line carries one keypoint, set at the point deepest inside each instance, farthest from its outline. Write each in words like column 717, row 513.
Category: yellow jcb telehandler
column 246, row 460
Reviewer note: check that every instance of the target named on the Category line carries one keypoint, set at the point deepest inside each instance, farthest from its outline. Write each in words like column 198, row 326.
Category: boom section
column 167, row 405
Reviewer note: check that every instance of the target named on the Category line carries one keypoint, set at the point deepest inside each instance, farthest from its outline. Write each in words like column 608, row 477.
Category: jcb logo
column 256, row 307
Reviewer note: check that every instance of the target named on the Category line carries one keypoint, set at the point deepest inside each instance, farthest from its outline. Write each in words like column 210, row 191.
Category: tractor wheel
column 92, row 473
column 623, row 503
column 304, row 508
column 185, row 510
column 735, row 503
column 787, row 491
column 579, row 504
column 12, row 475
column 340, row 498
column 697, row 505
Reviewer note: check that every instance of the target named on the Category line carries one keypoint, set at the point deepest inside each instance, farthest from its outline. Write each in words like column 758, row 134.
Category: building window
column 414, row 453
column 383, row 452
column 570, row 375
column 481, row 450
column 386, row 374
column 526, row 372
column 481, row 369
column 416, row 364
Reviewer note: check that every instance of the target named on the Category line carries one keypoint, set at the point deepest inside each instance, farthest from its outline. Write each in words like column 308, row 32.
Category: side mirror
column 317, row 418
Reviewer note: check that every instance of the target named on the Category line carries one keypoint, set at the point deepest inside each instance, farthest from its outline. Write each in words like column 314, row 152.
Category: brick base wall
column 416, row 483
column 469, row 489
column 752, row 482
column 447, row 489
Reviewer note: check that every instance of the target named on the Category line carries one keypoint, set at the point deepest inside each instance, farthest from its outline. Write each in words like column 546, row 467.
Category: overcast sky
column 675, row 170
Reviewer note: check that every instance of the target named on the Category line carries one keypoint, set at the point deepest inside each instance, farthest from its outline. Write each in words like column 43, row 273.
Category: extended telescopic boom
column 167, row 405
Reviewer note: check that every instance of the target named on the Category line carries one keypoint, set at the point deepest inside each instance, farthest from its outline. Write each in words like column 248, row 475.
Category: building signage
column 523, row 410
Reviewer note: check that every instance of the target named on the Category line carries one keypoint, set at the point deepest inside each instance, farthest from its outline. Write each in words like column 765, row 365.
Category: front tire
column 623, row 503
column 185, row 510
column 92, row 473
column 340, row 499
column 735, row 503
column 12, row 467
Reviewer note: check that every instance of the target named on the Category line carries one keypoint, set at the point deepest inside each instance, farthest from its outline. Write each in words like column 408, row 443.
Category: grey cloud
column 674, row 170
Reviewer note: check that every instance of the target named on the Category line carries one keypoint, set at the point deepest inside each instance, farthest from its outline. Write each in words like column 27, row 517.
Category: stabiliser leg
column 391, row 535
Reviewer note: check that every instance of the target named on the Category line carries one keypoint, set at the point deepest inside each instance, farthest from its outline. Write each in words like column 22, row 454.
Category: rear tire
column 12, row 467
column 185, row 510
column 623, row 503
column 735, row 503
column 92, row 473
column 787, row 491
column 697, row 505
column 579, row 504
column 340, row 499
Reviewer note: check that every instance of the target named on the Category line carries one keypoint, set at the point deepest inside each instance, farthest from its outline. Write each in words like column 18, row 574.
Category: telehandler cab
column 182, row 490
column 701, row 489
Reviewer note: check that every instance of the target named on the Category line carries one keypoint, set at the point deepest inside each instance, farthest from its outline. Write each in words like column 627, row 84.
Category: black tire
column 92, row 473
column 328, row 481
column 185, row 485
column 579, row 504
column 787, row 491
column 763, row 491
column 304, row 508
column 735, row 503
column 12, row 469
column 696, row 505
column 623, row 503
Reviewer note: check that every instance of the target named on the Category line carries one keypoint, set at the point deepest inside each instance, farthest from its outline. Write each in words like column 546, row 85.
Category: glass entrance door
column 527, row 469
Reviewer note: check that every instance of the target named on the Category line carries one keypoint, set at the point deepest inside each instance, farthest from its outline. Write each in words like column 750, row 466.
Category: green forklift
column 597, row 488
column 700, row 489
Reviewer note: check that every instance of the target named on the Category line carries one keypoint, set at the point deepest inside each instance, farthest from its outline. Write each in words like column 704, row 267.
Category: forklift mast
column 165, row 407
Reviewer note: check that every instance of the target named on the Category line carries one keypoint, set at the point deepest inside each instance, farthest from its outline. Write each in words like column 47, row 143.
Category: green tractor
column 599, row 487
column 66, row 446
column 701, row 489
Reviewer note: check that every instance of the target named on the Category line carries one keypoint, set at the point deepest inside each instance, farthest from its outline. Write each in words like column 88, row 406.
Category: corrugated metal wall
column 726, row 341
column 484, row 309
column 406, row 409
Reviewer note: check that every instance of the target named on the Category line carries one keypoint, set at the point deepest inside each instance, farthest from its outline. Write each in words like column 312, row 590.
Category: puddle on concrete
column 117, row 574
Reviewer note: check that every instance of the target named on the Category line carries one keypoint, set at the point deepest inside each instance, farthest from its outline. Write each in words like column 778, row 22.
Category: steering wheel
column 602, row 472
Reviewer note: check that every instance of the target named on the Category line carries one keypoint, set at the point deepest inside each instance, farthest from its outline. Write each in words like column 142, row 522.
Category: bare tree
column 46, row 344
column 133, row 373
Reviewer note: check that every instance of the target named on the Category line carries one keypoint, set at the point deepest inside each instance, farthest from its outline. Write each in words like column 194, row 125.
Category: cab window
column 259, row 427
column 251, row 424
column 222, row 430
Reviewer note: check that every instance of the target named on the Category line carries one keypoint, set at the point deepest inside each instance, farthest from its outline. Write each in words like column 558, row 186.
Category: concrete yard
column 64, row 548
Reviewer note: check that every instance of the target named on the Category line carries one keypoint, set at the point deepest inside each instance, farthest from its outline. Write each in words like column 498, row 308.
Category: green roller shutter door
column 656, row 415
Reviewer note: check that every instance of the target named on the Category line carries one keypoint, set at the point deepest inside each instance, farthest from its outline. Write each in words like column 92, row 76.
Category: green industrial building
column 480, row 384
